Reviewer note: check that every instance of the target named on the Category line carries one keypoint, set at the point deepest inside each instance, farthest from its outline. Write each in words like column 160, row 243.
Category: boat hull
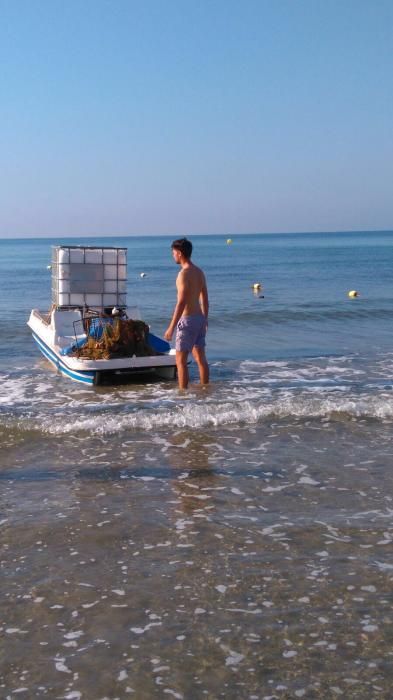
column 85, row 377
column 94, row 372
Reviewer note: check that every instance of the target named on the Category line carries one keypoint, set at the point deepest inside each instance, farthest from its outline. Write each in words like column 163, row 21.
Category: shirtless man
column 190, row 314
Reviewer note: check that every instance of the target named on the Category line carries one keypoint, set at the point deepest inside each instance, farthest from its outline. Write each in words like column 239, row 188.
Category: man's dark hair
column 184, row 245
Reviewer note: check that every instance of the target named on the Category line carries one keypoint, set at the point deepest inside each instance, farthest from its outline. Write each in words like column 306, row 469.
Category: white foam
column 308, row 480
column 383, row 566
column 234, row 658
column 60, row 666
column 197, row 415
column 266, row 390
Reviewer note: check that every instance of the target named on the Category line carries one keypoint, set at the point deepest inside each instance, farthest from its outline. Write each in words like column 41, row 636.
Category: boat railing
column 90, row 325
column 44, row 317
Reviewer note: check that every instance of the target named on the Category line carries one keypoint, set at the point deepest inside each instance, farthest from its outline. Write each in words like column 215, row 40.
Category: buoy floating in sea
column 229, row 241
column 353, row 293
column 143, row 274
column 256, row 286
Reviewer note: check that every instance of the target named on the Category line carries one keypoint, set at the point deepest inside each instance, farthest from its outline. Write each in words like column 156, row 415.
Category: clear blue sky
column 195, row 116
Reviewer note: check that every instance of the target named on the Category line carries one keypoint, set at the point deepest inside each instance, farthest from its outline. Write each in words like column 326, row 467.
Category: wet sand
column 257, row 565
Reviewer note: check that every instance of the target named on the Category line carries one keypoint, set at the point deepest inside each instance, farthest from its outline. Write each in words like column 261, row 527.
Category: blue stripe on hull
column 83, row 377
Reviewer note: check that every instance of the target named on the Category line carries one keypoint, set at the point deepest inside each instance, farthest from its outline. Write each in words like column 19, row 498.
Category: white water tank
column 89, row 276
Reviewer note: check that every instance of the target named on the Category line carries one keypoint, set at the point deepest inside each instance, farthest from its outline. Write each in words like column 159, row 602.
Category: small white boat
column 89, row 334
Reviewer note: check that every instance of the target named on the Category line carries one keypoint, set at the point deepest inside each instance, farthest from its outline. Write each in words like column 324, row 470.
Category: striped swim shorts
column 191, row 332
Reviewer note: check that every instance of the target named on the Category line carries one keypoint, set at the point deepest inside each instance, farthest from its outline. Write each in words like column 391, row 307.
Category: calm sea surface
column 230, row 542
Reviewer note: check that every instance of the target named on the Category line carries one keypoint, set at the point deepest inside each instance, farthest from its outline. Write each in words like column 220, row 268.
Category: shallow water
column 230, row 542
column 253, row 563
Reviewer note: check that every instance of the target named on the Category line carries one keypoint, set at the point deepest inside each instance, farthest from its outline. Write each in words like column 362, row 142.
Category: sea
column 231, row 541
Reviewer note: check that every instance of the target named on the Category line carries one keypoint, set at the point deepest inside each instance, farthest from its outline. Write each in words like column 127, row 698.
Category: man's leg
column 200, row 358
column 182, row 369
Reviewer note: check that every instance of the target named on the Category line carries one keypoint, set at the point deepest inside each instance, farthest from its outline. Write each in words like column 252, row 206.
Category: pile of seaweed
column 120, row 338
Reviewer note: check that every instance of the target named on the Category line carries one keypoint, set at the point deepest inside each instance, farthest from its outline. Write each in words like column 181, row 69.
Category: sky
column 183, row 117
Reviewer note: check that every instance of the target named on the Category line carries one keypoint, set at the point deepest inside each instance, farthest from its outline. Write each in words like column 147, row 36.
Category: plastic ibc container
column 90, row 276
column 77, row 299
column 63, row 255
column 76, row 255
column 63, row 271
column 110, row 286
column 111, row 300
column 63, row 285
column 110, row 257
column 93, row 299
column 110, row 272
column 93, row 255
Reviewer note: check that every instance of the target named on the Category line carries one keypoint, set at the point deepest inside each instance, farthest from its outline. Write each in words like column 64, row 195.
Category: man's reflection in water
column 192, row 511
column 191, row 458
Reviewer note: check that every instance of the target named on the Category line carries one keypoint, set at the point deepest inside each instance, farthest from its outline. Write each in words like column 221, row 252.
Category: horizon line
column 171, row 235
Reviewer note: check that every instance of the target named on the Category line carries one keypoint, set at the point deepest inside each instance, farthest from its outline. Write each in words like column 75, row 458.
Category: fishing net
column 122, row 338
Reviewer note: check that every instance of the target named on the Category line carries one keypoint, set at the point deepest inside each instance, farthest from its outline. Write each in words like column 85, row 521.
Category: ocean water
column 233, row 541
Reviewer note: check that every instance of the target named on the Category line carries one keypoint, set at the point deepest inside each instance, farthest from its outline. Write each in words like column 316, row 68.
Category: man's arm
column 179, row 308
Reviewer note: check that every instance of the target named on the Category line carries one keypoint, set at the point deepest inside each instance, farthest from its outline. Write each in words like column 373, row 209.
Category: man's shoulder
column 200, row 274
column 190, row 273
column 193, row 271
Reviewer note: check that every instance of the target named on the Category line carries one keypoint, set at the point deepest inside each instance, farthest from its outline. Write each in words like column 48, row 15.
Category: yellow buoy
column 257, row 285
column 229, row 241
column 353, row 293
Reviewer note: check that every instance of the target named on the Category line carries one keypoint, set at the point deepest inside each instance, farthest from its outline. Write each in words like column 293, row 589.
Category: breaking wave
column 245, row 393
column 198, row 415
